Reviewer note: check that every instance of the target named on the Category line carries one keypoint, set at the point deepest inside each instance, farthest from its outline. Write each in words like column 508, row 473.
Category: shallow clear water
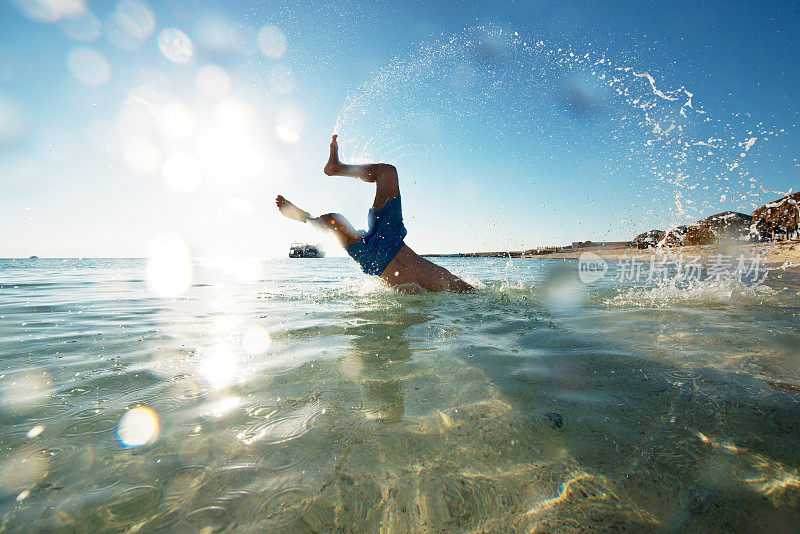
column 536, row 401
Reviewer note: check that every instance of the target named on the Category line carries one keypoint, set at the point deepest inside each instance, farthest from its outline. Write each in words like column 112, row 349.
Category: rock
column 778, row 219
column 648, row 239
column 555, row 419
column 728, row 224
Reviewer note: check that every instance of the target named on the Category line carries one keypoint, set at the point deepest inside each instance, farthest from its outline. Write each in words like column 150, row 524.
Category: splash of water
column 700, row 293
column 520, row 92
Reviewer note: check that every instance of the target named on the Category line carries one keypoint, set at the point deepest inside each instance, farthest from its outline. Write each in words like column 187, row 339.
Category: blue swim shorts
column 384, row 239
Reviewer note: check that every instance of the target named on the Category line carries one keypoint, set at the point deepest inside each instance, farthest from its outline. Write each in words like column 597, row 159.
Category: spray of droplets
column 682, row 162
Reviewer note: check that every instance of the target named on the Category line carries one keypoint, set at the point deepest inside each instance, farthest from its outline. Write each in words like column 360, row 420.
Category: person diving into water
column 380, row 250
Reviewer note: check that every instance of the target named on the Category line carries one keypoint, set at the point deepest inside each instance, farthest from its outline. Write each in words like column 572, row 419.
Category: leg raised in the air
column 333, row 222
column 383, row 175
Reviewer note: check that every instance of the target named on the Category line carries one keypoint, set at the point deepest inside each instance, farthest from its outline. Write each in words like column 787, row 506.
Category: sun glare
column 213, row 81
column 182, row 172
column 138, row 427
column 256, row 340
column 175, row 45
column 171, row 108
column 219, row 367
column 89, row 66
column 169, row 266
column 130, row 25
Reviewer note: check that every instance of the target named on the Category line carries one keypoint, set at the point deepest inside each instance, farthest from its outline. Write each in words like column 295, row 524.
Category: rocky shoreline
column 778, row 253
column 771, row 232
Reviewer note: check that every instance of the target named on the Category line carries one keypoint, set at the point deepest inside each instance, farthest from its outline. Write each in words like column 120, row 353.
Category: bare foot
column 289, row 210
column 333, row 165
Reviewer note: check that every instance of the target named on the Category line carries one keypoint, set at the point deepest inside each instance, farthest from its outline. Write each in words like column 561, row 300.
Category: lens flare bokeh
column 165, row 367
column 139, row 426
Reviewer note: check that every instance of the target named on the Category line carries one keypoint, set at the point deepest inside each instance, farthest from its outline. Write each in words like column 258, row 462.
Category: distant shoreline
column 783, row 252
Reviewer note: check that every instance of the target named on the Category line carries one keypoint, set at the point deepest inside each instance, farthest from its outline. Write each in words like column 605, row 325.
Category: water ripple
column 208, row 519
column 282, row 508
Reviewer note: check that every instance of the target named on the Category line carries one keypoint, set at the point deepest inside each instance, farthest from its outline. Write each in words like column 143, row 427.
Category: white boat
column 304, row 250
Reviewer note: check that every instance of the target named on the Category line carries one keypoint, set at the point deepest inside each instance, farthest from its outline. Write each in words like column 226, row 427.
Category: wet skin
column 408, row 271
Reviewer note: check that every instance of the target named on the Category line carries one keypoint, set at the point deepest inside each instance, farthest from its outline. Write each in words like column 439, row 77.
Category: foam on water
column 699, row 293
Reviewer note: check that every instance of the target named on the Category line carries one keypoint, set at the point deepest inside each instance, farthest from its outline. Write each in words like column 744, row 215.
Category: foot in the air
column 289, row 210
column 333, row 165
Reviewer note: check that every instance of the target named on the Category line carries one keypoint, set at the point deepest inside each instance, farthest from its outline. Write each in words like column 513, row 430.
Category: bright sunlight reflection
column 138, row 427
column 219, row 367
column 169, row 266
column 256, row 340
column 25, row 390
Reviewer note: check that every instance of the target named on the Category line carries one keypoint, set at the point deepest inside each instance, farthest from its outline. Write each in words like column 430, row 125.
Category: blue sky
column 512, row 124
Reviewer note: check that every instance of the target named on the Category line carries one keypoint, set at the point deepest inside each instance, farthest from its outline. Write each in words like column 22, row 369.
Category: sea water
column 302, row 396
